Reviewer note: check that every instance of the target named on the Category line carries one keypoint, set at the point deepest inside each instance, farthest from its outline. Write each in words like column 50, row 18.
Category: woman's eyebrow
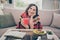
column 30, row 8
column 34, row 9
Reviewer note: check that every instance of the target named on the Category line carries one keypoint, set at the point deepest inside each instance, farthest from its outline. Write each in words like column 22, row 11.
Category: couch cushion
column 45, row 17
column 55, row 30
column 16, row 14
column 6, row 20
column 1, row 12
column 56, row 21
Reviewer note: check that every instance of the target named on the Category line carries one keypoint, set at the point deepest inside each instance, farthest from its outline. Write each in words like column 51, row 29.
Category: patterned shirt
column 37, row 24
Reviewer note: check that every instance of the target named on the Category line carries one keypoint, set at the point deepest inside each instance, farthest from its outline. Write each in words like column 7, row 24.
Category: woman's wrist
column 32, row 27
column 27, row 27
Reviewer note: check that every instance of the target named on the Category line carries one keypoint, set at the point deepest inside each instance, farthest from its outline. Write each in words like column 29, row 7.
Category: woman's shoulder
column 23, row 15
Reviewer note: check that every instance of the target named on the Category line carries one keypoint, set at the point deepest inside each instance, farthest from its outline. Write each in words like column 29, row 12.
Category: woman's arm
column 21, row 24
column 35, row 23
column 31, row 23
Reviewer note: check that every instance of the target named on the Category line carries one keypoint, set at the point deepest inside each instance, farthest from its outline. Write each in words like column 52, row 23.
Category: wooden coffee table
column 28, row 32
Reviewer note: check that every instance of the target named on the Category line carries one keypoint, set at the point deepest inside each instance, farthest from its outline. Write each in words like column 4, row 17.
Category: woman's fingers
column 22, row 22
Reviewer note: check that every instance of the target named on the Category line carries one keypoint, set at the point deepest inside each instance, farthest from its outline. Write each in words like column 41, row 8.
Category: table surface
column 29, row 32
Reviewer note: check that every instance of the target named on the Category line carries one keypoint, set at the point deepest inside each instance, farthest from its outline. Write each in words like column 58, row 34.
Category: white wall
column 50, row 4
column 47, row 4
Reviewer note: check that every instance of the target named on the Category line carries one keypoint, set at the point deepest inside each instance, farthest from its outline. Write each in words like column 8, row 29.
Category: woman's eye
column 34, row 10
column 30, row 8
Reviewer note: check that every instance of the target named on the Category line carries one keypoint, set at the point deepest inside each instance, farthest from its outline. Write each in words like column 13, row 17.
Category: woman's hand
column 26, row 26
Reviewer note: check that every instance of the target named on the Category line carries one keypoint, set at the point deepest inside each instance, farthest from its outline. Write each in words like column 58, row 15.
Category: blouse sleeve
column 19, row 25
column 38, row 24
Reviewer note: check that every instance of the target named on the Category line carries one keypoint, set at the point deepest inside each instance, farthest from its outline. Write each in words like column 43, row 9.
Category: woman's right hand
column 26, row 26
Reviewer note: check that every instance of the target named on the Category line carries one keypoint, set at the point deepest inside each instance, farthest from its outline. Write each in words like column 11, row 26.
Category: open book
column 16, row 34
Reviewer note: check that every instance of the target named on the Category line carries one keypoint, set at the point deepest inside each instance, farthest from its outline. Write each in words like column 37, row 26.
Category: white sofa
column 49, row 20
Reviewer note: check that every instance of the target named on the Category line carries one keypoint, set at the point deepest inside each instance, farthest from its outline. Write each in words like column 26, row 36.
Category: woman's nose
column 31, row 10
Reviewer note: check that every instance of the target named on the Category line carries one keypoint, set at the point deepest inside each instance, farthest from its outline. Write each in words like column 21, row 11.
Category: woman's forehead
column 33, row 7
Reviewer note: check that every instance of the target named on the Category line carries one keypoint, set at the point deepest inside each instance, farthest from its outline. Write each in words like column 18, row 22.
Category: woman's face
column 32, row 11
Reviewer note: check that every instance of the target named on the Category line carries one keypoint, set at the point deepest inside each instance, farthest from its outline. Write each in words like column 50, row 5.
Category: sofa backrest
column 16, row 14
column 1, row 12
column 45, row 16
